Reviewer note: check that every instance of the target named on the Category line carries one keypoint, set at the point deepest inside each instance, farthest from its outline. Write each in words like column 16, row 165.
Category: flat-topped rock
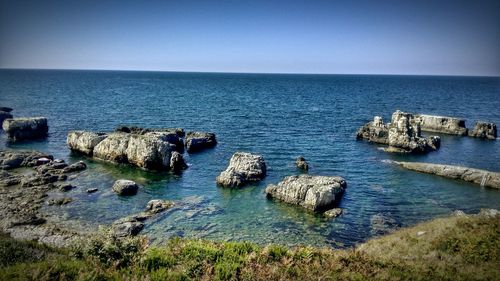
column 316, row 193
column 484, row 130
column 125, row 187
column 152, row 150
column 196, row 141
column 477, row 176
column 440, row 124
column 243, row 168
column 25, row 128
column 83, row 141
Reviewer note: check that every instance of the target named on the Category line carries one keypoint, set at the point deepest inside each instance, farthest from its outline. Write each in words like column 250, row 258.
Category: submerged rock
column 84, row 142
column 91, row 190
column 196, row 141
column 440, row 124
column 125, row 187
column 477, row 176
column 301, row 163
column 317, row 193
column 333, row 213
column 243, row 168
column 484, row 130
column 26, row 128
column 156, row 206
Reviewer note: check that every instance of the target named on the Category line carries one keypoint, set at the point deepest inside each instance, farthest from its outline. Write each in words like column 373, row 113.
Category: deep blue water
column 277, row 116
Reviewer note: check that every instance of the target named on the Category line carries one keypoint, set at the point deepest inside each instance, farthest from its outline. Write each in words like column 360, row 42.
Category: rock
column 420, row 233
column 196, row 141
column 42, row 161
column 66, row 187
column 405, row 137
column 37, row 180
column 9, row 179
column 26, row 128
column 84, row 142
column 484, row 130
column 477, row 176
column 375, row 131
column 156, row 206
column 5, row 109
column 333, row 213
column 127, row 228
column 4, row 115
column 75, row 167
column 177, row 162
column 459, row 213
column 317, row 193
column 243, row 168
column 60, row 201
column 440, row 124
column 489, row 213
column 125, row 187
column 91, row 190
column 20, row 158
column 301, row 163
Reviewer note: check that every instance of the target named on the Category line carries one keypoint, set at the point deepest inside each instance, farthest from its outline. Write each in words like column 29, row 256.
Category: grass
column 454, row 248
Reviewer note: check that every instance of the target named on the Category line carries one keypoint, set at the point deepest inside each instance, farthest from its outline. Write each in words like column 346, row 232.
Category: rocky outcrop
column 10, row 159
column 376, row 131
column 440, row 124
column 477, row 176
column 484, row 130
column 5, row 113
column 84, row 142
column 402, row 134
column 196, row 141
column 125, row 187
column 301, row 163
column 405, row 137
column 26, row 128
column 316, row 193
column 243, row 168
column 153, row 150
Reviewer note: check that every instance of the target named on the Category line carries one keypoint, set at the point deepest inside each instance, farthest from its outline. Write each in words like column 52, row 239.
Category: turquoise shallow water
column 277, row 116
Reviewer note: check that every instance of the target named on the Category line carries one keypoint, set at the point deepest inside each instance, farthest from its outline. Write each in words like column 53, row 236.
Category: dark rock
column 127, row 228
column 301, row 163
column 75, row 167
column 484, row 130
column 66, row 187
column 317, row 193
column 375, row 131
column 60, row 201
column 177, row 162
column 243, row 168
column 92, row 190
column 196, row 141
column 156, row 206
column 26, row 128
column 125, row 187
column 5, row 109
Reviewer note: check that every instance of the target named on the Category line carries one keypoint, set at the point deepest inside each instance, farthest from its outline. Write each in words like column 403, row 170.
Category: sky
column 447, row 37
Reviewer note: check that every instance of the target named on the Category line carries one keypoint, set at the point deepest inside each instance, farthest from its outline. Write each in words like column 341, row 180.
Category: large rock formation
column 484, row 130
column 440, row 124
column 5, row 113
column 196, row 141
column 317, row 193
column 376, row 131
column 402, row 134
column 26, row 128
column 243, row 168
column 146, row 149
column 405, row 137
column 477, row 176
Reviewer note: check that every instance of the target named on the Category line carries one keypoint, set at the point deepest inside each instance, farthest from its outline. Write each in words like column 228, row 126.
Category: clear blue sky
column 386, row 37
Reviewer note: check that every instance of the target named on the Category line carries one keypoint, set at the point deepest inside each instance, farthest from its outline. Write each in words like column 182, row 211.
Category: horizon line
column 243, row 72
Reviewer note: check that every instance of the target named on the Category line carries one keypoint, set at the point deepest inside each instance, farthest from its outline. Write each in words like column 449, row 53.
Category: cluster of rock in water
column 162, row 149
column 404, row 133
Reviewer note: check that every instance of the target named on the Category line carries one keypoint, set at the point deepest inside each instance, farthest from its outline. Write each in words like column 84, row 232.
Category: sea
column 279, row 116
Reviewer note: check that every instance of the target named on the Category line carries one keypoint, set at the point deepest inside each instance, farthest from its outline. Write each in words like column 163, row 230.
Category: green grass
column 455, row 248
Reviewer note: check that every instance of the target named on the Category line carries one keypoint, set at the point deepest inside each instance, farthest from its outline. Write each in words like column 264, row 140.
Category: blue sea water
column 277, row 116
